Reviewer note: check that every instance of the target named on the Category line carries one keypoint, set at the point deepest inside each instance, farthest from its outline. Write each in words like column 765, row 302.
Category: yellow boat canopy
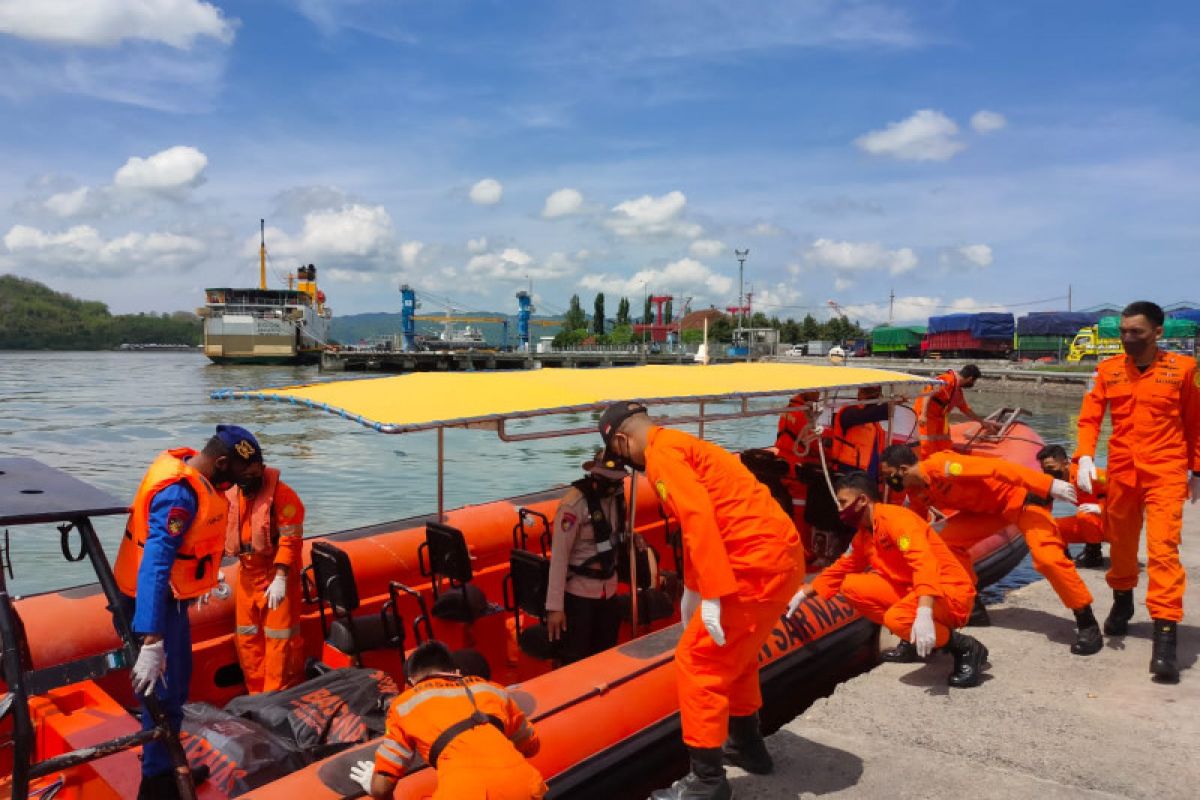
column 429, row 400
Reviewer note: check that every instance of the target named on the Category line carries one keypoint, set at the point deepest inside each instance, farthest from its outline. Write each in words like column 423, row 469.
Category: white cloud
column 409, row 252
column 969, row 255
column 479, row 245
column 766, row 229
column 68, row 204
column 985, row 121
column 487, row 192
column 349, row 276
column 927, row 135
column 775, row 300
column 914, row 309
column 686, row 276
column 846, row 257
column 561, row 203
column 170, row 170
column 653, row 216
column 513, row 263
column 706, row 248
column 354, row 235
column 841, row 284
column 82, row 250
column 104, row 23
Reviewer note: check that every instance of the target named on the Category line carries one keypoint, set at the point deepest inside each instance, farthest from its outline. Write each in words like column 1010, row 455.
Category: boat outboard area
column 476, row 578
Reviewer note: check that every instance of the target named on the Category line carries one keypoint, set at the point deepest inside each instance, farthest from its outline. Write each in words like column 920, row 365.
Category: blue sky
column 967, row 154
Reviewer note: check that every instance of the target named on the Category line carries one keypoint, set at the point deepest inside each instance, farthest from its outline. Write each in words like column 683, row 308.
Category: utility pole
column 891, row 304
column 741, row 257
column 1068, row 297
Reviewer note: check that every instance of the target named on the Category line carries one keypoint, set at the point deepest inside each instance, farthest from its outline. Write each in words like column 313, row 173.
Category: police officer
column 169, row 556
column 587, row 530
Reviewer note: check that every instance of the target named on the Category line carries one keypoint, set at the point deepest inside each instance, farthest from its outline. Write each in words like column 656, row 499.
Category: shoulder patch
column 661, row 488
column 954, row 469
column 178, row 519
column 903, row 543
column 288, row 511
column 568, row 520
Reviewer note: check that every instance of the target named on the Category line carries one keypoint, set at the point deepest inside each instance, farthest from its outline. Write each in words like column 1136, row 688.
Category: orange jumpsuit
column 796, row 444
column 934, row 435
column 1085, row 528
column 988, row 493
column 481, row 763
column 1155, row 441
column 269, row 645
column 739, row 546
column 893, row 561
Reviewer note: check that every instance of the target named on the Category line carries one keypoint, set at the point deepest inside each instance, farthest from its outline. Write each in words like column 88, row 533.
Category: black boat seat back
column 363, row 635
column 530, row 577
column 334, row 577
column 445, row 555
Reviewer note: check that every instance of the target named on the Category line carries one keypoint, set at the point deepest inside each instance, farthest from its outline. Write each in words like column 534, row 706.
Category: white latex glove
column 362, row 773
column 924, row 636
column 1061, row 490
column 1087, row 473
column 688, row 604
column 710, row 615
column 1089, row 508
column 1194, row 488
column 276, row 591
column 219, row 592
column 796, row 600
column 150, row 665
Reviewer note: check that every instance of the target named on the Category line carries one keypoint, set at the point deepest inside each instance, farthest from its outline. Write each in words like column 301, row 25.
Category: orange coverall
column 987, row 493
column 1082, row 528
column 481, row 763
column 1155, row 441
column 892, row 562
column 269, row 645
column 934, row 435
column 796, row 445
column 739, row 546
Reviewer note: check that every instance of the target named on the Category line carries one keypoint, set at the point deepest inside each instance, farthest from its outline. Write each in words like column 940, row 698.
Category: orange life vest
column 853, row 447
column 199, row 555
column 256, row 535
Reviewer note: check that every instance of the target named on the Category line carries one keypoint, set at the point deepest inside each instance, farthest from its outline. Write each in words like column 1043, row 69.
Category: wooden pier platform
column 471, row 360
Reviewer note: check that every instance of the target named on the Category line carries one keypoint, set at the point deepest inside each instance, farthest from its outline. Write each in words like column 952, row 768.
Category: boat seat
column 528, row 578
column 653, row 605
column 460, row 604
column 337, row 589
column 361, row 635
column 444, row 556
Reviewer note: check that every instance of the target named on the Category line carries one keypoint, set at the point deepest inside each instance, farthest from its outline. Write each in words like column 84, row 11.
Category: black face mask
column 250, row 486
column 222, row 479
column 896, row 481
column 1061, row 474
column 1137, row 349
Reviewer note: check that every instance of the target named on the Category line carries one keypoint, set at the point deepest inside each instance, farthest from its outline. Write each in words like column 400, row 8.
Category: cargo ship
column 267, row 326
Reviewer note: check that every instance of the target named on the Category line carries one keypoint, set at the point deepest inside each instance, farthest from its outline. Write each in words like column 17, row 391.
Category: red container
column 962, row 341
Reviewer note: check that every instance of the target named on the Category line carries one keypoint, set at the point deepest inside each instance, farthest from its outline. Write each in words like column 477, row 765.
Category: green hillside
column 35, row 317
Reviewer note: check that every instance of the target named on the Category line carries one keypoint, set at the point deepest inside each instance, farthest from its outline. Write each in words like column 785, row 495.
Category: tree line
column 579, row 328
column 35, row 317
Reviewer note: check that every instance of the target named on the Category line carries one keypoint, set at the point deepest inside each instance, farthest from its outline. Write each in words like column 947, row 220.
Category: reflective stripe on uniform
column 936, row 437
column 450, row 691
column 291, row 530
column 799, row 501
column 392, row 751
column 246, row 630
column 280, row 633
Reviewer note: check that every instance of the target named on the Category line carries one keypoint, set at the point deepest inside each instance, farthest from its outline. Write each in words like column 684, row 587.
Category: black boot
column 979, row 615
column 1117, row 621
column 1088, row 640
column 745, row 747
column 706, row 781
column 1162, row 662
column 969, row 656
column 1092, row 557
column 903, row 653
column 162, row 786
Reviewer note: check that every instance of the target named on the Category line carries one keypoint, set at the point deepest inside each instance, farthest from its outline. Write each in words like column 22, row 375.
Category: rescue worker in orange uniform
column 987, row 494
column 899, row 573
column 743, row 562
column 265, row 530
column 1154, row 399
column 169, row 557
column 796, row 443
column 1086, row 525
column 468, row 729
column 856, row 436
column 933, row 409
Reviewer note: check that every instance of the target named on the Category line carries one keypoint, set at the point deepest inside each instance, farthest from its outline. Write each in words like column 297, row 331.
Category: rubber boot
column 1088, row 640
column 745, row 747
column 706, row 781
column 1091, row 557
column 903, row 653
column 1117, row 621
column 969, row 657
column 979, row 615
column 1162, row 662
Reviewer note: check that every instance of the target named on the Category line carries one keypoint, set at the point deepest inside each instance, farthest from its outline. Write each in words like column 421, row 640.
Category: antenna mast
column 262, row 254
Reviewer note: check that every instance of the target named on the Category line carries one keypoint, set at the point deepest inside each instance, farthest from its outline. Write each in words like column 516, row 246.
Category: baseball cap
column 240, row 441
column 614, row 415
column 606, row 466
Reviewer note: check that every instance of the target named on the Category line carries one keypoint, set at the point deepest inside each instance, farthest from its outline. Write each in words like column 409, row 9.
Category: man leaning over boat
column 743, row 562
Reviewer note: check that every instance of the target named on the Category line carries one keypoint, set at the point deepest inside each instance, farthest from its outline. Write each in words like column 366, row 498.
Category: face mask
column 851, row 515
column 1136, row 349
column 1061, row 474
column 250, row 485
column 221, row 480
column 896, row 481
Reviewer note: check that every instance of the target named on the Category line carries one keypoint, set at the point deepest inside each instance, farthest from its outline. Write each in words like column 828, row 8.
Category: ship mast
column 262, row 254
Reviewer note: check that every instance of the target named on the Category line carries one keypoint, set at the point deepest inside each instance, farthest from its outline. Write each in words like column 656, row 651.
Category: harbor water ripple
column 103, row 417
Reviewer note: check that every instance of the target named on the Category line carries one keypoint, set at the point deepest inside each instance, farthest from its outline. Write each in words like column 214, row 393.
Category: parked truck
column 969, row 335
column 1103, row 339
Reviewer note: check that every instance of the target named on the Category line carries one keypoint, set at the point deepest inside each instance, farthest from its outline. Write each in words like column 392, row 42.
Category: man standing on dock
column 987, row 494
column 933, row 409
column 743, row 561
column 1153, row 466
column 265, row 531
column 170, row 556
column 900, row 574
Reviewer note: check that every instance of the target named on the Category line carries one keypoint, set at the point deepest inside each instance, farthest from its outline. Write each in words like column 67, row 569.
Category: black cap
column 616, row 414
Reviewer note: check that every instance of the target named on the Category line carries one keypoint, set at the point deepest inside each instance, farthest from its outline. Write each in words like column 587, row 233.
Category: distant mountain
column 354, row 328
column 35, row 317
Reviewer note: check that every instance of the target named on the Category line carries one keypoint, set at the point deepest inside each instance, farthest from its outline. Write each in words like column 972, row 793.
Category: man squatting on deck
column 743, row 561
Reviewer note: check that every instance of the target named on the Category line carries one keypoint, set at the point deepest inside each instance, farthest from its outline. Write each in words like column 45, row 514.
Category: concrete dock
column 1044, row 724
